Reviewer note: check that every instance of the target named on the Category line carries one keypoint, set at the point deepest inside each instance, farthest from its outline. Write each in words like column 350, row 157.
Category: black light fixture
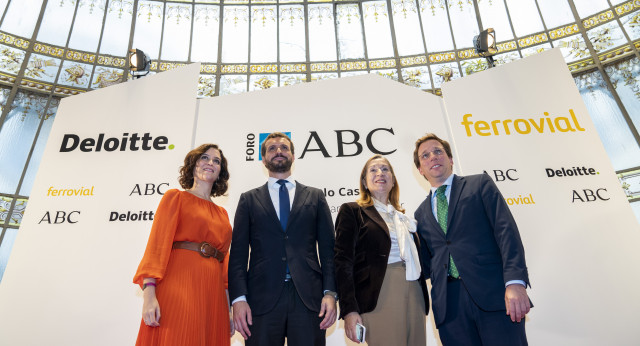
column 485, row 45
column 139, row 63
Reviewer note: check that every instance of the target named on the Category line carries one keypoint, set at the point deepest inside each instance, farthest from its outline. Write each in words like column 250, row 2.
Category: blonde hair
column 366, row 200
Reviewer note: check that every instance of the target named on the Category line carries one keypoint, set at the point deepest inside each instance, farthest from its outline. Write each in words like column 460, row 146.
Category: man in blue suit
column 281, row 229
column 472, row 252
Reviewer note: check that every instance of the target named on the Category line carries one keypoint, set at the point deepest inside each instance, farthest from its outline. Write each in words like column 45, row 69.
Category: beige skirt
column 399, row 317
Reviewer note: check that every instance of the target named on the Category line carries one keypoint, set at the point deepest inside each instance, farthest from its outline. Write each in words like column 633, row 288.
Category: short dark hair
column 263, row 148
column 428, row 136
column 221, row 184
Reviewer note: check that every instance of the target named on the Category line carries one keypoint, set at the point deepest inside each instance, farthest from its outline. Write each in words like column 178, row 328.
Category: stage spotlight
column 485, row 45
column 139, row 63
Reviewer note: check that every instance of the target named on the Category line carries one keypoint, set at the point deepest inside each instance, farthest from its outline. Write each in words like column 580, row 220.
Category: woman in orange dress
column 183, row 273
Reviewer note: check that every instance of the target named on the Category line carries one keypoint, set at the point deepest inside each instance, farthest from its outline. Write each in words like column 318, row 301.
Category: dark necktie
column 283, row 193
column 284, row 203
column 443, row 214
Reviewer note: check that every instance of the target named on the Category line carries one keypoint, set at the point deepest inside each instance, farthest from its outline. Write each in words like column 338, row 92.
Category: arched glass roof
column 51, row 49
column 78, row 45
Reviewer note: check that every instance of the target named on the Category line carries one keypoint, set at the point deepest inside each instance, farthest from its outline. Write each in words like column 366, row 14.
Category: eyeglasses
column 206, row 158
column 436, row 152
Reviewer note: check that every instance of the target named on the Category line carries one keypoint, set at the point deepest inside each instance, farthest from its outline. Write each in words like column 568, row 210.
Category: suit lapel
column 300, row 197
column 267, row 204
column 431, row 217
column 456, row 190
column 373, row 214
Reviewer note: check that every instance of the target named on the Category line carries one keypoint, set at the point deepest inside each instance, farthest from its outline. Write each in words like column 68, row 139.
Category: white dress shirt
column 394, row 253
column 274, row 192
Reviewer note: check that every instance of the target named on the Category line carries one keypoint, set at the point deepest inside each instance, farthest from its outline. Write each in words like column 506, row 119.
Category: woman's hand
column 232, row 327
column 350, row 321
column 150, row 306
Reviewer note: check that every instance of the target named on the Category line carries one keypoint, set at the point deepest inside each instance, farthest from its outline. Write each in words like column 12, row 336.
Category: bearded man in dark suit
column 285, row 292
column 472, row 252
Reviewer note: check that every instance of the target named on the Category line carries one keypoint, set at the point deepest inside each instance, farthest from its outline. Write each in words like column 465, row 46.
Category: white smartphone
column 360, row 332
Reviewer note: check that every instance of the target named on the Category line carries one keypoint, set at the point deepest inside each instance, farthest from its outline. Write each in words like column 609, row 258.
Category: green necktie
column 443, row 213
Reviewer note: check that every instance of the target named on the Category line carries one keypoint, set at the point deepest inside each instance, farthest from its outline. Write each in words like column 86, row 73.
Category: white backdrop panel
column 316, row 114
column 70, row 283
column 578, row 230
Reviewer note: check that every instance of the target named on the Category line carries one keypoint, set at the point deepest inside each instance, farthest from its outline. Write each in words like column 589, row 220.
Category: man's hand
column 242, row 318
column 350, row 321
column 517, row 302
column 328, row 310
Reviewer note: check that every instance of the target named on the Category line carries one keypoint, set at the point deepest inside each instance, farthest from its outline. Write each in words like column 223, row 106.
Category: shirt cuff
column 239, row 299
column 519, row 282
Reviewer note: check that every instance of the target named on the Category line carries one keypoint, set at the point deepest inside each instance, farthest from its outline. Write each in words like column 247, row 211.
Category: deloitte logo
column 570, row 172
column 133, row 142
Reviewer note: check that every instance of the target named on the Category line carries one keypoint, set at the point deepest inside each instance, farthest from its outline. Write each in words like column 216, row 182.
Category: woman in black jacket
column 378, row 271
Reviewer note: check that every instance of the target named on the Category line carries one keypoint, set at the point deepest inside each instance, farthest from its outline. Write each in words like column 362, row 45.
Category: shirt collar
column 377, row 204
column 447, row 182
column 273, row 182
column 383, row 208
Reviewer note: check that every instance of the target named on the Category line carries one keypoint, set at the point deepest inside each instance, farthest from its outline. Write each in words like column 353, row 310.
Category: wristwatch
column 331, row 293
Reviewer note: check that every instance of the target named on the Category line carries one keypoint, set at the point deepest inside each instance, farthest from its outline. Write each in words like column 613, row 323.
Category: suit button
column 284, row 258
column 448, row 242
column 286, row 237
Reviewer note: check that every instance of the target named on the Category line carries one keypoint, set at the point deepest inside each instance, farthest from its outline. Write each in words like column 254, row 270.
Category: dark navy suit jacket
column 483, row 239
column 309, row 235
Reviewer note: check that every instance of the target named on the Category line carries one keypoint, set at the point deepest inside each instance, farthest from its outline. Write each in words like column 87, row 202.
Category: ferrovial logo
column 570, row 172
column 80, row 191
column 348, row 143
column 127, row 142
column 520, row 199
column 522, row 126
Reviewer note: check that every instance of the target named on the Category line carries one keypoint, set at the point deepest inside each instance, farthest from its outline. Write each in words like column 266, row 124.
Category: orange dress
column 190, row 288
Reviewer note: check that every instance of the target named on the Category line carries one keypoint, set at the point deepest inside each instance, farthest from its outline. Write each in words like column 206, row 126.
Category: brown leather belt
column 204, row 249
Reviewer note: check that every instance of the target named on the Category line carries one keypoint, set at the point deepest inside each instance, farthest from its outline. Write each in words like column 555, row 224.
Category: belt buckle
column 203, row 249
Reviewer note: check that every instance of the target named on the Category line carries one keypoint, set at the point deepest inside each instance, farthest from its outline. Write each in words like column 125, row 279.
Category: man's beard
column 280, row 166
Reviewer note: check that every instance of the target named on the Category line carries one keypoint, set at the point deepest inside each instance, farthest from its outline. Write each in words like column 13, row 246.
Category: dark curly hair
column 221, row 184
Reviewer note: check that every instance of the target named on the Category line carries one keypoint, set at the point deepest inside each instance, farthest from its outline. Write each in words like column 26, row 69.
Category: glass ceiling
column 72, row 46
column 50, row 49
